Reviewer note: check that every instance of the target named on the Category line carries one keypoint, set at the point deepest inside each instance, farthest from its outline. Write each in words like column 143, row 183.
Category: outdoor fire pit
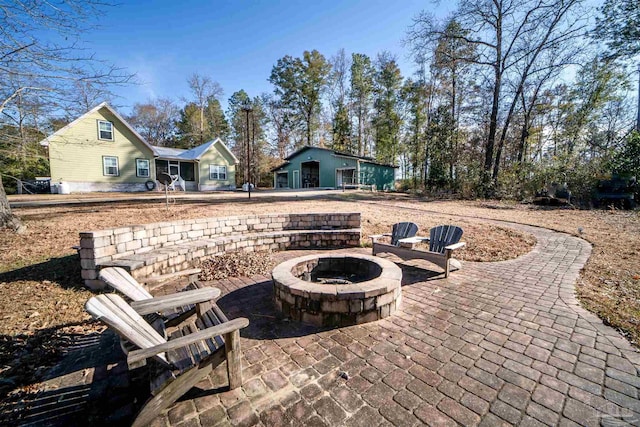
column 337, row 290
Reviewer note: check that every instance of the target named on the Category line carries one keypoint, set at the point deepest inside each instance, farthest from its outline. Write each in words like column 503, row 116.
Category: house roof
column 45, row 142
column 334, row 152
column 192, row 154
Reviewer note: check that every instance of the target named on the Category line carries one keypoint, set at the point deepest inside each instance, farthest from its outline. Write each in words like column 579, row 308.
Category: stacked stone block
column 166, row 247
column 337, row 305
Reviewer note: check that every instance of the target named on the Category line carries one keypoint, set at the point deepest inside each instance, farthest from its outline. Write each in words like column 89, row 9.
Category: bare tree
column 42, row 56
column 84, row 97
column 338, row 81
column 279, row 119
column 156, row 120
column 203, row 88
column 505, row 33
column 540, row 76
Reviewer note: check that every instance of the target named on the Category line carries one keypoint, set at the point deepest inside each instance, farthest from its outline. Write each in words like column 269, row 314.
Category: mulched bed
column 236, row 264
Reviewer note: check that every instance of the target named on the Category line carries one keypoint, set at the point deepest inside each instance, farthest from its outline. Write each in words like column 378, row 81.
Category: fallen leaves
column 24, row 358
column 236, row 264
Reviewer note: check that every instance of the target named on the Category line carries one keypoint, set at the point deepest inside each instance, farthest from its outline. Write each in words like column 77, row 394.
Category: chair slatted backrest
column 118, row 315
column 442, row 236
column 120, row 280
column 402, row 230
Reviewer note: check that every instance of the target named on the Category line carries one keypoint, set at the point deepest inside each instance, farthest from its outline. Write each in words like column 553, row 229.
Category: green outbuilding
column 315, row 167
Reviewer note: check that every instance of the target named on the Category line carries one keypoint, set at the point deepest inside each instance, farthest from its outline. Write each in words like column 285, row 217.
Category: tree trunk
column 416, row 141
column 524, row 134
column 638, row 118
column 495, row 106
column 454, row 127
column 360, row 131
column 7, row 218
column 201, row 124
column 493, row 127
column 309, row 118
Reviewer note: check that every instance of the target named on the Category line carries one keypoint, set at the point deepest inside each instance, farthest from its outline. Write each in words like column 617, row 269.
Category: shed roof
column 334, row 152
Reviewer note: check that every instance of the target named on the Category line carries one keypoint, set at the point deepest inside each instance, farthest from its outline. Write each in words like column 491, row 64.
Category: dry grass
column 41, row 294
column 42, row 262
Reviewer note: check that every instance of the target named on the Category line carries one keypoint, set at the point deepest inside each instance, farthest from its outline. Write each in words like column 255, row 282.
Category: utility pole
column 247, row 109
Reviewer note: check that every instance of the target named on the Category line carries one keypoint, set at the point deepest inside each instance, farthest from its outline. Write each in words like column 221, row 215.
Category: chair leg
column 234, row 366
column 170, row 394
column 447, row 265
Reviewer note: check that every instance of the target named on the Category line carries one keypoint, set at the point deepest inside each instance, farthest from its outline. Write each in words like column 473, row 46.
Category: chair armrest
column 180, row 299
column 454, row 246
column 164, row 277
column 414, row 239
column 137, row 356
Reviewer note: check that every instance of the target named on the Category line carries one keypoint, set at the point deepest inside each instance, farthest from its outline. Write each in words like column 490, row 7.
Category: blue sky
column 238, row 42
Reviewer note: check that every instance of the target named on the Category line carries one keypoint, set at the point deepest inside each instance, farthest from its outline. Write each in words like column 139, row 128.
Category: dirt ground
column 41, row 294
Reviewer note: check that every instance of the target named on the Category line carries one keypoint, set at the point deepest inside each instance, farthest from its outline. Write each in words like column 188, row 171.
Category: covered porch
column 185, row 172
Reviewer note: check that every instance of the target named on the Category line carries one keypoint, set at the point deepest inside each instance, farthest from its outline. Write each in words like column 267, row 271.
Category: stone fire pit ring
column 375, row 291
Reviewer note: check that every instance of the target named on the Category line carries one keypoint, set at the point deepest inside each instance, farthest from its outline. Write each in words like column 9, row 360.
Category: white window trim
column 104, row 166
column 148, row 168
column 110, row 124
column 217, row 172
column 175, row 164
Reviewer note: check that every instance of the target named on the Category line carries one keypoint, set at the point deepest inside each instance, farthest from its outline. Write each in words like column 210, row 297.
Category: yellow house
column 100, row 151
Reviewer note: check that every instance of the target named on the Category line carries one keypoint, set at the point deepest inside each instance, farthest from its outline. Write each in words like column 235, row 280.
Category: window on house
column 110, row 166
column 142, row 168
column 105, row 130
column 217, row 172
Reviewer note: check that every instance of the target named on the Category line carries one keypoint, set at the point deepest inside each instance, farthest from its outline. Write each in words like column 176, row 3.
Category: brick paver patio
column 494, row 344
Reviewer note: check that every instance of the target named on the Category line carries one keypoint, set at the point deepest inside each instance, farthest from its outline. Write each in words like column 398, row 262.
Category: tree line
column 504, row 98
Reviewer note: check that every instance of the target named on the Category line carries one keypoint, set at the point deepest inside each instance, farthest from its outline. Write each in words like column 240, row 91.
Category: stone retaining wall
column 166, row 247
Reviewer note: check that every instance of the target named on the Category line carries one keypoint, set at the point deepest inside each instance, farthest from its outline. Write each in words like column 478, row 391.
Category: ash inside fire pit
column 337, row 271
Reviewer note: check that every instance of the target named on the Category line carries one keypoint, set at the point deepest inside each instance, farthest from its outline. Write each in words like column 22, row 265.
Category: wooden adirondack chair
column 443, row 240
column 120, row 280
column 190, row 353
column 401, row 230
